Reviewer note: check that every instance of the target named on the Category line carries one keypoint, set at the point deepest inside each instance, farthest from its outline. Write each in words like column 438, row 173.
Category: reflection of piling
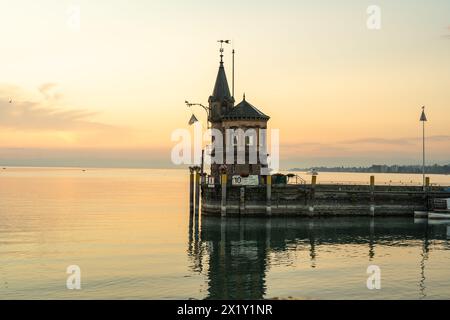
column 223, row 204
column 371, row 239
column 312, row 243
column 191, row 190
column 372, row 195
column 312, row 195
column 222, row 242
column 269, row 195
column 190, row 232
column 425, row 253
column 196, row 228
column 268, row 233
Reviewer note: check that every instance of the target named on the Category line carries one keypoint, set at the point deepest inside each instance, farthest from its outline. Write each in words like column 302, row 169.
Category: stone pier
column 319, row 200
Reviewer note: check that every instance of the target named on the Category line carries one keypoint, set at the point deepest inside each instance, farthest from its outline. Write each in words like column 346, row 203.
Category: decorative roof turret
column 245, row 111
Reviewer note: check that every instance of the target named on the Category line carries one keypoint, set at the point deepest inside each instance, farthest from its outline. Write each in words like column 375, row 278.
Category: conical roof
column 221, row 90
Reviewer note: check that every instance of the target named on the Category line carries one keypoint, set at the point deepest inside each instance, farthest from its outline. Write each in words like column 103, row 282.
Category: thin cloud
column 313, row 147
column 365, row 146
column 447, row 35
column 397, row 141
column 439, row 138
column 48, row 91
column 400, row 141
column 44, row 114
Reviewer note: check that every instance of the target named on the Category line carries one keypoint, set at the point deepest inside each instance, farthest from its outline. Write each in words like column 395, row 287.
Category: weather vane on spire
column 221, row 48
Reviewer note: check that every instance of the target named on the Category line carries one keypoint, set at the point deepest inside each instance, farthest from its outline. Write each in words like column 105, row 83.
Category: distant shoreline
column 434, row 169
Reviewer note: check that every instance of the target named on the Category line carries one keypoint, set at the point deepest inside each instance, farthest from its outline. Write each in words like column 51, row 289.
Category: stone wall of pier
column 319, row 200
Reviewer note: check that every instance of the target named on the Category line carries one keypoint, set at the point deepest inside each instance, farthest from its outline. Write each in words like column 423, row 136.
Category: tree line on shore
column 375, row 168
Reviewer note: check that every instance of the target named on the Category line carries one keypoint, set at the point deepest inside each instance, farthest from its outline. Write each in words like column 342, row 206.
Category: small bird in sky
column 10, row 100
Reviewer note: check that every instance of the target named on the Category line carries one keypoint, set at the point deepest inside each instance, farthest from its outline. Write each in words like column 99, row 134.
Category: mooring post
column 191, row 190
column 372, row 195
column 313, row 195
column 242, row 201
column 269, row 195
column 202, row 165
column 197, row 190
column 427, row 189
column 223, row 205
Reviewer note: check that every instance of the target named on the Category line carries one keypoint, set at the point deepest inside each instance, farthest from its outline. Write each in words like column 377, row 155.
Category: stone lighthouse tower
column 242, row 131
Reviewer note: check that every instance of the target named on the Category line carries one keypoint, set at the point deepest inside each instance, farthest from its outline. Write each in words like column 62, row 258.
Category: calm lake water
column 129, row 231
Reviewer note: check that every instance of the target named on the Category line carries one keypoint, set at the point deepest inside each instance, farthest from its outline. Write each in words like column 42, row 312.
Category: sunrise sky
column 111, row 92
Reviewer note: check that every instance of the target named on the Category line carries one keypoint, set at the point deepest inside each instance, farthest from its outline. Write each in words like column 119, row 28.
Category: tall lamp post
column 423, row 119
column 194, row 119
column 189, row 105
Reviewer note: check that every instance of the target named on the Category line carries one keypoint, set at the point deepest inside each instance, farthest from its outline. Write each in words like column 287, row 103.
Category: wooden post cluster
column 194, row 190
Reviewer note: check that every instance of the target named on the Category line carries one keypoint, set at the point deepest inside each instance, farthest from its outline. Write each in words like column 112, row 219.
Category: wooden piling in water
column 197, row 191
column 223, row 201
column 312, row 195
column 427, row 189
column 269, row 195
column 372, row 195
column 242, row 201
column 191, row 190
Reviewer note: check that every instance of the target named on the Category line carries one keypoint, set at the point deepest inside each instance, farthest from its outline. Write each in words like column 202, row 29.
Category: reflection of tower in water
column 237, row 259
column 235, row 254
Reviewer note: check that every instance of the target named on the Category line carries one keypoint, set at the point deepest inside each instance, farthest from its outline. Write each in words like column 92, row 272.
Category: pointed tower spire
column 221, row 100
column 221, row 89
